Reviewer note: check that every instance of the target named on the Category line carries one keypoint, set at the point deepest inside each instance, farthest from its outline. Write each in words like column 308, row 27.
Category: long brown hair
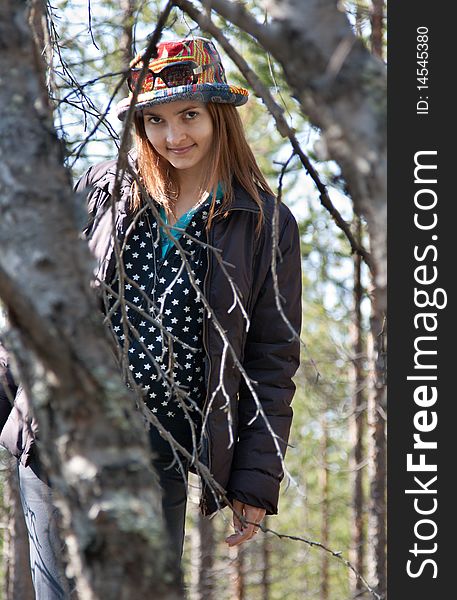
column 230, row 156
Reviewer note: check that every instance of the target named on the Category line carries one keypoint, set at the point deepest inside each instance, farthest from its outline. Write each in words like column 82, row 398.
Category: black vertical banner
column 422, row 439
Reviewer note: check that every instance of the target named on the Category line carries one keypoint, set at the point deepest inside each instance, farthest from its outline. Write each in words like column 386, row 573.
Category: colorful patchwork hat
column 183, row 69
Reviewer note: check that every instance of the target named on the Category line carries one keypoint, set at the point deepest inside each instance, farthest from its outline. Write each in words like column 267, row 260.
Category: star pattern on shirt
column 176, row 305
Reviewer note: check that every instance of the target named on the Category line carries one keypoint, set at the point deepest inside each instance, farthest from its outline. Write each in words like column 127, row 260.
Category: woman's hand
column 250, row 513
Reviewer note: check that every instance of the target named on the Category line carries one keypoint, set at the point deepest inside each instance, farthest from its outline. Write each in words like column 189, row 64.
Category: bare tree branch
column 341, row 88
column 277, row 113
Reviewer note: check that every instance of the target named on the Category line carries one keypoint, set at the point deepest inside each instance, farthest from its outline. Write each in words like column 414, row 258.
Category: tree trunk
column 377, row 460
column 240, row 586
column 303, row 550
column 92, row 439
column 126, row 40
column 266, row 563
column 37, row 18
column 324, row 485
column 357, row 429
column 377, row 26
column 17, row 583
column 206, row 552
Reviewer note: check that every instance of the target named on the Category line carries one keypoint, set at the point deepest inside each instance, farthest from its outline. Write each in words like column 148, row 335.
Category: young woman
column 202, row 320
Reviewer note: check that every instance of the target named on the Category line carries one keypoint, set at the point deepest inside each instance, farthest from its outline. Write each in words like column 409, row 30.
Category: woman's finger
column 253, row 514
column 240, row 536
column 238, row 508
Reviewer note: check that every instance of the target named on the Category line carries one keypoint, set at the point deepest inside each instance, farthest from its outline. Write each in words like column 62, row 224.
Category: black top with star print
column 166, row 357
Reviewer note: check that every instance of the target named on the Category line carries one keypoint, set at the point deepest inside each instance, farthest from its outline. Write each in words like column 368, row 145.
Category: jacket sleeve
column 85, row 186
column 8, row 388
column 271, row 358
column 88, row 185
column 84, row 181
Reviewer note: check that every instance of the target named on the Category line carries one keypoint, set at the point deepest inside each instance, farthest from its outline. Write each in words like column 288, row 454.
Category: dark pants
column 41, row 519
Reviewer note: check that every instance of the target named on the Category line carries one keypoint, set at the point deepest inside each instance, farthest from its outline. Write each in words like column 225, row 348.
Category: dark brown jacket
column 249, row 467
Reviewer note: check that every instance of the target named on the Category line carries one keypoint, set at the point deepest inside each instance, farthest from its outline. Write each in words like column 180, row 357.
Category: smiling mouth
column 181, row 150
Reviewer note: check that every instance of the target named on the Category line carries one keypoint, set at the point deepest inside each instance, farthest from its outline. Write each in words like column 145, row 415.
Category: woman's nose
column 175, row 134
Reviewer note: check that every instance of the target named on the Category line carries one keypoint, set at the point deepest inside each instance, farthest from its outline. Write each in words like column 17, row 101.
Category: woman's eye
column 154, row 120
column 191, row 114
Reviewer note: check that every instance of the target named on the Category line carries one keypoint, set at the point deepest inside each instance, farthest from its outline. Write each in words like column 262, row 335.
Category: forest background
column 335, row 501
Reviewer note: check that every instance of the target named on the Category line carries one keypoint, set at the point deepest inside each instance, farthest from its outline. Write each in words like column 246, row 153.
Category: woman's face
column 182, row 133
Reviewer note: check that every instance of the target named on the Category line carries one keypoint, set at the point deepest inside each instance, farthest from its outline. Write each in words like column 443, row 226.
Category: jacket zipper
column 205, row 345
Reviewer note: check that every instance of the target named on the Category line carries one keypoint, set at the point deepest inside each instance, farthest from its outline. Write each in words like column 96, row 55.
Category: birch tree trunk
column 92, row 440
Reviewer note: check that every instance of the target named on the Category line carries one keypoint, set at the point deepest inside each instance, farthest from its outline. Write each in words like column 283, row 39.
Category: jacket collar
column 242, row 200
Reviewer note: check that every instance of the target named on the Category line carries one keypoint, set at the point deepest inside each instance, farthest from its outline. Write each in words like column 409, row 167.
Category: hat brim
column 200, row 92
